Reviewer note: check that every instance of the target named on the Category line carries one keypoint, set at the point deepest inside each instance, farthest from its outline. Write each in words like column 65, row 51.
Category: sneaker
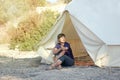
column 50, row 68
column 59, row 67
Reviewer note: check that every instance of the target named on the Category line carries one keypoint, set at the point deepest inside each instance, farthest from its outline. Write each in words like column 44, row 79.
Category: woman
column 63, row 53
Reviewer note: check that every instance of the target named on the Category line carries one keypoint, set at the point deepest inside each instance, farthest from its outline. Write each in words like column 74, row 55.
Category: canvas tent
column 96, row 24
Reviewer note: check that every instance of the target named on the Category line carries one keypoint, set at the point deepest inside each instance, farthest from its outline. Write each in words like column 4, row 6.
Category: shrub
column 31, row 30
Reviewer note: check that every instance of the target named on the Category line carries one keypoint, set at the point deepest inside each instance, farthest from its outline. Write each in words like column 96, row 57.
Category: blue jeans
column 66, row 61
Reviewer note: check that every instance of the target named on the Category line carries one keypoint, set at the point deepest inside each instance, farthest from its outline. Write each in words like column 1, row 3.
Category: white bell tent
column 95, row 24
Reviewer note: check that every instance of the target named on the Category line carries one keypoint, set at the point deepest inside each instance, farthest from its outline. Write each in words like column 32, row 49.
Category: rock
column 35, row 62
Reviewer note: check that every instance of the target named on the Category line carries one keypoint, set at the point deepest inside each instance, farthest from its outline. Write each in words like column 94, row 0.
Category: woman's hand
column 64, row 48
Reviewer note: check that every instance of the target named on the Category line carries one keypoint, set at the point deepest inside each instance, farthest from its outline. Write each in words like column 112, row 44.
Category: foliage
column 3, row 17
column 35, row 3
column 65, row 1
column 31, row 30
column 11, row 9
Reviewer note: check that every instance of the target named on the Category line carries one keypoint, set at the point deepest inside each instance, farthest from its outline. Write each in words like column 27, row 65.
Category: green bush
column 31, row 30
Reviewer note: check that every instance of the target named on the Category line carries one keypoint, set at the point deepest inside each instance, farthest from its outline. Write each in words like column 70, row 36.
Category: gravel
column 21, row 69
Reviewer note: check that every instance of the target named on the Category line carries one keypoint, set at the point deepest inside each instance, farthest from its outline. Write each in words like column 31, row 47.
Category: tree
column 35, row 3
column 65, row 1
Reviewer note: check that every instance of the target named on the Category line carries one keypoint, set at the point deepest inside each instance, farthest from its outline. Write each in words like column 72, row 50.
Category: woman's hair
column 60, row 35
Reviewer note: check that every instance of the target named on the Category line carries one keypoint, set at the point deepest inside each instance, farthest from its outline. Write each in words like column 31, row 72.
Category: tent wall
column 95, row 47
column 100, row 16
column 113, row 58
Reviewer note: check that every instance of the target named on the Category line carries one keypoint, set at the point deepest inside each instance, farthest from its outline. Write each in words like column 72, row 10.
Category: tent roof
column 100, row 16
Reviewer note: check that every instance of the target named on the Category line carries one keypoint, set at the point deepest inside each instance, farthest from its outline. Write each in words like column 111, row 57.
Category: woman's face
column 62, row 39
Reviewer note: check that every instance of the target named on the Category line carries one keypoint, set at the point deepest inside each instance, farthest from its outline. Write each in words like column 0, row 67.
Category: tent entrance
column 72, row 37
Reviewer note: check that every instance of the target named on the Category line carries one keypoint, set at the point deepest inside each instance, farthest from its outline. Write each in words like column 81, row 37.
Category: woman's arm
column 64, row 49
column 60, row 55
column 55, row 50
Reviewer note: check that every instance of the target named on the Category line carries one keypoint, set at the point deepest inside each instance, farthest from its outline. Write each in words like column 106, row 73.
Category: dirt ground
column 15, row 65
column 25, row 69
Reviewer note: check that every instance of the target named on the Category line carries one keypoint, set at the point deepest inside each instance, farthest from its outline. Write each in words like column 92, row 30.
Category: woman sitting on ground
column 63, row 53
